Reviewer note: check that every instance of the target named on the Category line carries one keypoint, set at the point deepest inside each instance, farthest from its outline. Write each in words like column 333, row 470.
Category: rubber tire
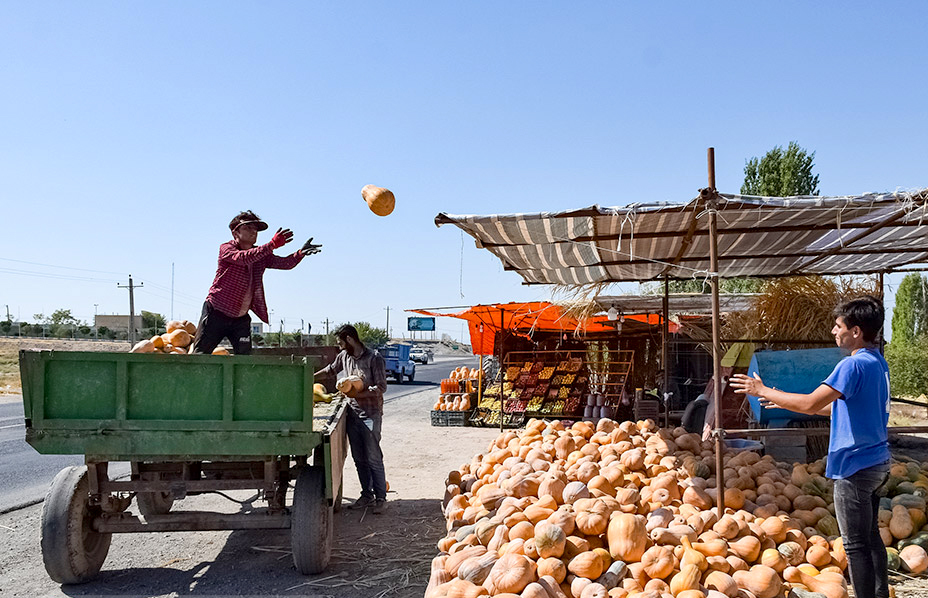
column 399, row 376
column 154, row 503
column 412, row 376
column 311, row 523
column 71, row 550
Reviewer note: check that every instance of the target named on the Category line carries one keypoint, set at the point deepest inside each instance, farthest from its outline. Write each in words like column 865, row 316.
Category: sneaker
column 379, row 505
column 362, row 503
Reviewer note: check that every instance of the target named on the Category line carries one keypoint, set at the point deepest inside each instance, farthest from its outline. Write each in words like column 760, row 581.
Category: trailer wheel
column 154, row 503
column 310, row 523
column 412, row 376
column 399, row 376
column 72, row 550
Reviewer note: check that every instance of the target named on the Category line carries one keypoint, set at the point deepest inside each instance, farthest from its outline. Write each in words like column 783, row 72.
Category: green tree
column 370, row 335
column 153, row 320
column 781, row 173
column 778, row 174
column 910, row 315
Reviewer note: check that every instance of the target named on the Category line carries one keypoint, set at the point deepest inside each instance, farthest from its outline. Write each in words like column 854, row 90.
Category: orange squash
column 627, row 537
column 761, row 581
column 380, row 201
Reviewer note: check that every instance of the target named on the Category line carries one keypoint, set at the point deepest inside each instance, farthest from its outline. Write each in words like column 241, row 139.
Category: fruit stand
column 459, row 393
column 554, row 364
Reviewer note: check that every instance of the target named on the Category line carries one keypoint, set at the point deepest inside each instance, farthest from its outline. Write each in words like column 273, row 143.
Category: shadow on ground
column 385, row 555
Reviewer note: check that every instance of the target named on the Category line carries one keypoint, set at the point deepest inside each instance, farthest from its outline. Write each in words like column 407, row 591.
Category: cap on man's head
column 247, row 217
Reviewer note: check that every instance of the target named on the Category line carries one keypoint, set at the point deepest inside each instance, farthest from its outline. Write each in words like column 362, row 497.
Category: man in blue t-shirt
column 856, row 395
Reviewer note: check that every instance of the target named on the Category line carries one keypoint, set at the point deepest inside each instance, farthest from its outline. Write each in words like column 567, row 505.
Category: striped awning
column 757, row 236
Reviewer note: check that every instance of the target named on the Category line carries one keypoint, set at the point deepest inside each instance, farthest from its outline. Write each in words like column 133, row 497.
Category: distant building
column 116, row 323
column 257, row 327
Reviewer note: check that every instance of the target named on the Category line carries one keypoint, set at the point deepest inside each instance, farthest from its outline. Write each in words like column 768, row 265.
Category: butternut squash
column 380, row 201
column 760, row 580
column 627, row 537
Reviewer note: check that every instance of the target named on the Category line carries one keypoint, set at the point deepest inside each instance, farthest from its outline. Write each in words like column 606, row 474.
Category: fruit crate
column 459, row 418
column 489, row 418
column 439, row 418
column 451, row 418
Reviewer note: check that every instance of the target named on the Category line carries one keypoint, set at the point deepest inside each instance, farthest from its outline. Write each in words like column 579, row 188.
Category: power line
column 55, row 276
column 6, row 259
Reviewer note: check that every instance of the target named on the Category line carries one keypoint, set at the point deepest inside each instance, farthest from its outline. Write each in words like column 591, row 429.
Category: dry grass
column 901, row 414
column 797, row 308
column 10, row 382
column 9, row 369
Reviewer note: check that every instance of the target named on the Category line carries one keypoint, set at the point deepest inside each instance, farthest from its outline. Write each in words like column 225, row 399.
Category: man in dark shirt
column 239, row 286
column 365, row 413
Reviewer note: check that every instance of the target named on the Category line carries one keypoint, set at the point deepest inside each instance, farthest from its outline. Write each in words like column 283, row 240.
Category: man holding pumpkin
column 856, row 395
column 238, row 287
column 364, row 415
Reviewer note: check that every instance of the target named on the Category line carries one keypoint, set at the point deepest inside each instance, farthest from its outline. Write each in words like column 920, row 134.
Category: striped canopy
column 758, row 236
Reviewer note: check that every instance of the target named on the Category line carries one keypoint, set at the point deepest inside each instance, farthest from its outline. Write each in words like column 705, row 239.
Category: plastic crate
column 440, row 418
column 458, row 418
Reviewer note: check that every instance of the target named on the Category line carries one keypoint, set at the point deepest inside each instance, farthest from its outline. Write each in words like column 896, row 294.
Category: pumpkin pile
column 627, row 510
column 453, row 403
column 177, row 340
column 902, row 520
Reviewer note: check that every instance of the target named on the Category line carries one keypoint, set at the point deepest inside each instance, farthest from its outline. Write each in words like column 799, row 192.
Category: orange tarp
column 484, row 321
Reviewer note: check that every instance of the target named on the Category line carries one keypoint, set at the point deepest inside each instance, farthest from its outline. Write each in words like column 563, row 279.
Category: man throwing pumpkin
column 365, row 413
column 856, row 395
column 239, row 287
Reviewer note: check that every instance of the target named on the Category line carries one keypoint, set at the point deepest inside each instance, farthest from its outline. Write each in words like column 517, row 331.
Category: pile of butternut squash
column 455, row 402
column 177, row 340
column 626, row 510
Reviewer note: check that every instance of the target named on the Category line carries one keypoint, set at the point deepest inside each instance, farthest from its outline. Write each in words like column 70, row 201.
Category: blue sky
column 132, row 132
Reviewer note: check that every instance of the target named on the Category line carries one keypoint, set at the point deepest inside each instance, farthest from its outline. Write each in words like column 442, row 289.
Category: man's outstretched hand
column 281, row 237
column 309, row 249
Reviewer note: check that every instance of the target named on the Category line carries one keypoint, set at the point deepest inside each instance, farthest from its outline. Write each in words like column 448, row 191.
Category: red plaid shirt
column 240, row 268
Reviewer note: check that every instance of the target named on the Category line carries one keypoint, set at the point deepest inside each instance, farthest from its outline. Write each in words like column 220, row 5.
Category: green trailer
column 188, row 424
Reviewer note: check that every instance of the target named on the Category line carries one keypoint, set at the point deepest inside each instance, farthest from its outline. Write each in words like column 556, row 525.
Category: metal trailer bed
column 188, row 424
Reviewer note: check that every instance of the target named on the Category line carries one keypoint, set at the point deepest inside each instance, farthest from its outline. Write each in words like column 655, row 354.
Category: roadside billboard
column 419, row 324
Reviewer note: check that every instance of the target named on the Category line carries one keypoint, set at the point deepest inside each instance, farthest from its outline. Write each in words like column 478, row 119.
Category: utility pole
column 172, row 290
column 96, row 335
column 327, row 330
column 131, row 288
column 302, row 323
column 388, row 322
column 280, row 336
column 8, row 319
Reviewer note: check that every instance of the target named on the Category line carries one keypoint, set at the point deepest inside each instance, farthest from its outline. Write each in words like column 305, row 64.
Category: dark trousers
column 364, row 437
column 215, row 326
column 856, row 507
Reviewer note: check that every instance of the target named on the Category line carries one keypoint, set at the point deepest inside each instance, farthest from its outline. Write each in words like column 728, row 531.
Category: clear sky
column 132, row 133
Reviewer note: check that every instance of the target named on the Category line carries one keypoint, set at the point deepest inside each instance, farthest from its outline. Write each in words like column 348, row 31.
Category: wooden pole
column 502, row 378
column 665, row 332
column 712, row 205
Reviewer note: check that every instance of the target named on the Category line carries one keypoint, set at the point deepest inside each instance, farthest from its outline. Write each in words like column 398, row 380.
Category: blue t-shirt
column 860, row 416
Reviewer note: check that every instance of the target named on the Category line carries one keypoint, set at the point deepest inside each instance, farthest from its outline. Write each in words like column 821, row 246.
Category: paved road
column 25, row 474
column 427, row 376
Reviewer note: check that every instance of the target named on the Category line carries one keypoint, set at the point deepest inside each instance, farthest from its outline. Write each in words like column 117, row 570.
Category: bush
column 907, row 372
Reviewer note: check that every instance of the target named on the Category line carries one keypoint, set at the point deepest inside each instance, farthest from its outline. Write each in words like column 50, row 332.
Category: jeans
column 215, row 326
column 364, row 438
column 856, row 506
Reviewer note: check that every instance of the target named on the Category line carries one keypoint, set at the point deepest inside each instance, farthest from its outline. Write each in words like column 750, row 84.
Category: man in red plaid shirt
column 238, row 286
